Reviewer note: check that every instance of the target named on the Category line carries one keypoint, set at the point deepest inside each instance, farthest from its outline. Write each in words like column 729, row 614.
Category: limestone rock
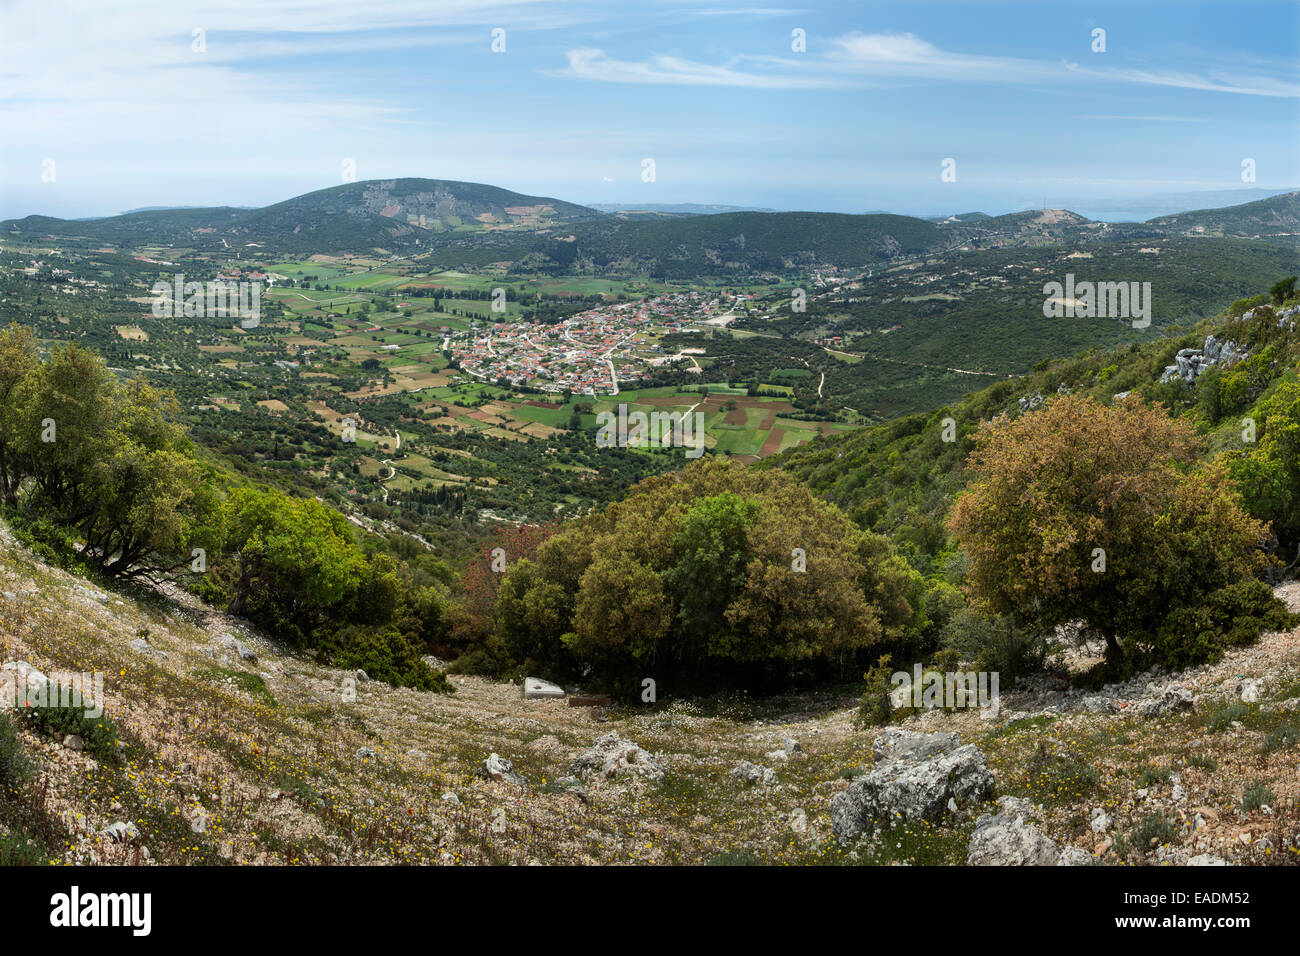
column 753, row 774
column 912, row 788
column 501, row 770
column 611, row 756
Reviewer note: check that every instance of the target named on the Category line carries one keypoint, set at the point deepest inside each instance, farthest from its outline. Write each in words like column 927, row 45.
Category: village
column 579, row 354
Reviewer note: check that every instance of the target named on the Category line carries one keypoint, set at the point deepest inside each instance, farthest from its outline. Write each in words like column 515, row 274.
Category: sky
column 922, row 107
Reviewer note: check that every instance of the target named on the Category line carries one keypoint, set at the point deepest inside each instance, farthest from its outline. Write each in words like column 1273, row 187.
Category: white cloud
column 858, row 59
column 589, row 63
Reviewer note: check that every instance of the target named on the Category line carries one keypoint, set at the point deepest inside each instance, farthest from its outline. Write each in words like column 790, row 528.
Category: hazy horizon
column 1136, row 210
column 925, row 108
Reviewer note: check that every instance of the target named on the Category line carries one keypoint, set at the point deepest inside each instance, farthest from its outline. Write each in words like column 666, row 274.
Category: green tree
column 294, row 558
column 1081, row 511
column 1269, row 474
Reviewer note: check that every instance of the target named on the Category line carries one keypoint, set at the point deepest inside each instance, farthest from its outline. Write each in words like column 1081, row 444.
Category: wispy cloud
column 1215, row 82
column 859, row 59
column 1145, row 119
column 589, row 63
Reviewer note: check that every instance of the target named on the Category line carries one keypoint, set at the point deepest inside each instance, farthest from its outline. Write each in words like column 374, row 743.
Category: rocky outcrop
column 1005, row 839
column 753, row 774
column 611, row 756
column 898, row 744
column 922, row 777
column 1190, row 363
column 501, row 770
column 1171, row 701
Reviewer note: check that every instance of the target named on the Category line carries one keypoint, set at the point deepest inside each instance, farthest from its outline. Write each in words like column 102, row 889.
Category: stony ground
column 228, row 759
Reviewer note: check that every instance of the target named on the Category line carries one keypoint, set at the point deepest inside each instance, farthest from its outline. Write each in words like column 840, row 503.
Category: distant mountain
column 1277, row 217
column 127, row 212
column 388, row 214
column 680, row 209
column 472, row 225
column 1154, row 205
column 959, row 217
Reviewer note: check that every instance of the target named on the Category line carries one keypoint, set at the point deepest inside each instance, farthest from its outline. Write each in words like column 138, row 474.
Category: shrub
column 389, row 656
column 696, row 575
column 1202, row 761
column 996, row 644
column 1154, row 775
column 1256, row 795
column 17, row 849
column 15, row 766
column 1282, row 737
column 1224, row 717
column 875, row 707
column 99, row 735
column 1051, row 777
column 1153, row 830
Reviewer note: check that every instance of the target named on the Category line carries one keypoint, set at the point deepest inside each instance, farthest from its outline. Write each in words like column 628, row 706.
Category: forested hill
column 457, row 224
column 900, row 478
column 356, row 217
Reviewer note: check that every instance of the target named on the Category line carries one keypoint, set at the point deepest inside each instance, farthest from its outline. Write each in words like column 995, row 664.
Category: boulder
column 1207, row 859
column 898, row 744
column 611, row 756
column 912, row 788
column 234, row 644
column 1075, row 856
column 1174, row 699
column 501, row 770
column 121, row 832
column 752, row 773
column 1005, row 839
column 25, row 676
column 1098, row 705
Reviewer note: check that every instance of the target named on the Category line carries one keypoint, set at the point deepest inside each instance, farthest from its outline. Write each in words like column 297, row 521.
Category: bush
column 1051, row 777
column 1235, row 614
column 1153, row 830
column 1154, row 775
column 876, row 708
column 388, row 656
column 17, row 849
column 53, row 544
column 98, row 734
column 15, row 767
column 995, row 644
column 1256, row 795
column 1223, row 718
column 1282, row 737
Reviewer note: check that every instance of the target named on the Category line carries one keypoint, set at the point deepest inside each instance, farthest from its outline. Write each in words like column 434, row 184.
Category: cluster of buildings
column 578, row 354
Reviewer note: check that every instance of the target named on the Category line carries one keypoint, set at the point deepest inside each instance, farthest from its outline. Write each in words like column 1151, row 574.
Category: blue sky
column 284, row 91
